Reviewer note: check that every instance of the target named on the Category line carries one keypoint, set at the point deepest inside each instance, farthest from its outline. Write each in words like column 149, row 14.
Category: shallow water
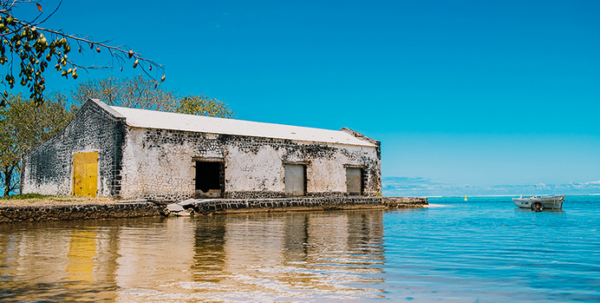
column 482, row 250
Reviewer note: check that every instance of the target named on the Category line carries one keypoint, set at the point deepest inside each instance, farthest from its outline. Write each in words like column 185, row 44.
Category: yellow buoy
column 465, row 197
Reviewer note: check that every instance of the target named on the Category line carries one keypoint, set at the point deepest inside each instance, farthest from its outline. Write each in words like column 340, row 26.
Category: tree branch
column 29, row 42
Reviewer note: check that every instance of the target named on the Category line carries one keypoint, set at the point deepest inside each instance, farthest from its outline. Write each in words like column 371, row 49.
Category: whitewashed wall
column 158, row 164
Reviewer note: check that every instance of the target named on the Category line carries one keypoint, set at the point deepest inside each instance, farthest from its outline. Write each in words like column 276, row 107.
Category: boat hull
column 554, row 202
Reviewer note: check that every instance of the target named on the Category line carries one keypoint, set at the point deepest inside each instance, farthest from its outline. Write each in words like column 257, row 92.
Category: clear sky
column 459, row 92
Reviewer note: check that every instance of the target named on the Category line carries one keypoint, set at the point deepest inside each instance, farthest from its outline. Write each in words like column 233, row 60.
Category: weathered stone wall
column 15, row 214
column 219, row 206
column 159, row 165
column 47, row 169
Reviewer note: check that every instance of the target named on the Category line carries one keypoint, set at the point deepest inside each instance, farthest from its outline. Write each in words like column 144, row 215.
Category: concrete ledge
column 221, row 206
column 136, row 209
column 15, row 214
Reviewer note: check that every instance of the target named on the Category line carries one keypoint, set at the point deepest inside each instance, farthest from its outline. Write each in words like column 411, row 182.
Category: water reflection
column 266, row 257
column 44, row 263
column 550, row 211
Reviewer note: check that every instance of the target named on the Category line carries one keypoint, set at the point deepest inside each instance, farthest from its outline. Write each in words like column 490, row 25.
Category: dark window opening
column 209, row 179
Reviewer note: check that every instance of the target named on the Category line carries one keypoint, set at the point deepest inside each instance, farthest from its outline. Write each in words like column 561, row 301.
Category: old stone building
column 143, row 154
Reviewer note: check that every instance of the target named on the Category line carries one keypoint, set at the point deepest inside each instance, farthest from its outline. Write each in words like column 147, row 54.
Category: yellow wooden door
column 85, row 174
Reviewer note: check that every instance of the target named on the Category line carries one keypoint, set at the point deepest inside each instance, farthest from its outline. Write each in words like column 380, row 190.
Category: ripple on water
column 484, row 249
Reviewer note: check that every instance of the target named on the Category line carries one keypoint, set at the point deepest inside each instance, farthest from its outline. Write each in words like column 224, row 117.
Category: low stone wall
column 15, row 214
column 219, row 206
column 404, row 202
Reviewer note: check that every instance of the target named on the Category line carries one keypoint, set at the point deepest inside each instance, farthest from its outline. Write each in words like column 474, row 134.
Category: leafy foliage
column 24, row 126
column 203, row 106
column 139, row 92
column 136, row 92
column 36, row 49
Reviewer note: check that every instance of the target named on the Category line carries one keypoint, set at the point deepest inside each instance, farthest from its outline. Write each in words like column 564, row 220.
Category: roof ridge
column 220, row 118
column 154, row 119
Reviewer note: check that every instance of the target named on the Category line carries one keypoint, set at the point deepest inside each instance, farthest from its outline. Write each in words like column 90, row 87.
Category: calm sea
column 481, row 250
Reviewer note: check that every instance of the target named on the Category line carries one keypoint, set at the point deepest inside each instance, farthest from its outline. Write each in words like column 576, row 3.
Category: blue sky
column 461, row 93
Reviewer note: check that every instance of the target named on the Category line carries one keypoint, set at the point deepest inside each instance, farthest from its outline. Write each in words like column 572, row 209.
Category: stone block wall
column 47, row 169
column 17, row 214
column 223, row 206
column 158, row 165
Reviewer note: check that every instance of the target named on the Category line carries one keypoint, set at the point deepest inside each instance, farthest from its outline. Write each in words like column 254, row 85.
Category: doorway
column 354, row 181
column 85, row 174
column 295, row 180
column 209, row 179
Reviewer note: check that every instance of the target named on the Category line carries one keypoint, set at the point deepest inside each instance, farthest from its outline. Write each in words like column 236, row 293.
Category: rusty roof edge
column 360, row 136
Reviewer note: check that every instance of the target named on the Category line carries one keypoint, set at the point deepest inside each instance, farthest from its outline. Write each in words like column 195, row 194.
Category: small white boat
column 540, row 203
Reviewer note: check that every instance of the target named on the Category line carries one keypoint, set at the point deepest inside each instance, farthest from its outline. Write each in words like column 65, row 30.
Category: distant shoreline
column 524, row 195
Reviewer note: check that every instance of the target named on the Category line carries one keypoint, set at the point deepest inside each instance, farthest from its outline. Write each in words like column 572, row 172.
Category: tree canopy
column 140, row 92
column 203, row 106
column 135, row 92
column 24, row 126
column 30, row 50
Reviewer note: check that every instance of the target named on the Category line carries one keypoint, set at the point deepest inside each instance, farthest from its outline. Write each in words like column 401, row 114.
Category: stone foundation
column 16, row 214
column 224, row 206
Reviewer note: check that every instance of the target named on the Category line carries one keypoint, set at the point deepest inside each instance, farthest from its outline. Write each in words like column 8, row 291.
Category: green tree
column 30, row 49
column 203, row 106
column 140, row 92
column 24, row 126
column 136, row 92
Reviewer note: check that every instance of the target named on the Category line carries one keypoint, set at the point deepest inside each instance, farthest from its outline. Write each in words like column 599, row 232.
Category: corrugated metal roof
column 164, row 120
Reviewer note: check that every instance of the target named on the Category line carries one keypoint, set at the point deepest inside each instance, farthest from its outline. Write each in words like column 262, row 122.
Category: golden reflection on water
column 320, row 256
column 81, row 254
